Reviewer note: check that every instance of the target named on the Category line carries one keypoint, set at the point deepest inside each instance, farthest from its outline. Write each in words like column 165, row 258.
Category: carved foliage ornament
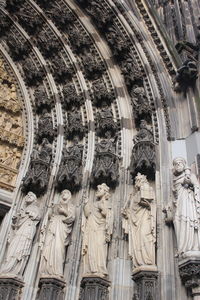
column 61, row 71
column 101, row 94
column 37, row 176
column 60, row 15
column 42, row 101
column 143, row 157
column 70, row 97
column 70, row 172
column 106, row 163
column 75, row 126
column 33, row 75
column 105, row 122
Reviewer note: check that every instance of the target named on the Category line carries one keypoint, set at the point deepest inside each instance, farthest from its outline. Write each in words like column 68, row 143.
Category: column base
column 94, row 288
column 10, row 287
column 146, row 282
column 51, row 288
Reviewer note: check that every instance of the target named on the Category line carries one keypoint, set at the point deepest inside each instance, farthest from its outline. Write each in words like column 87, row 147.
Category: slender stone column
column 10, row 288
column 146, row 281
column 94, row 288
column 189, row 269
column 51, row 288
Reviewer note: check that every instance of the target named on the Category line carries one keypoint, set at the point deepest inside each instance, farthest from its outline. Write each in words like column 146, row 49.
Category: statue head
column 179, row 164
column 140, row 180
column 30, row 198
column 66, row 195
column 102, row 190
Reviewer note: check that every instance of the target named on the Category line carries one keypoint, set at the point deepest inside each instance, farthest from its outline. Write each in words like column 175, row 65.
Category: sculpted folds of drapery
column 139, row 222
column 97, row 230
column 187, row 209
column 21, row 237
column 57, row 236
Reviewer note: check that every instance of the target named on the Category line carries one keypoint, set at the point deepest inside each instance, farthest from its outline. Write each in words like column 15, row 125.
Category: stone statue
column 139, row 222
column 21, row 237
column 57, row 237
column 45, row 127
column 187, row 209
column 97, row 230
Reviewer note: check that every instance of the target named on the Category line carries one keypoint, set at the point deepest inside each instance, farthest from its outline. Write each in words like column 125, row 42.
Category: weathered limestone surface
column 91, row 94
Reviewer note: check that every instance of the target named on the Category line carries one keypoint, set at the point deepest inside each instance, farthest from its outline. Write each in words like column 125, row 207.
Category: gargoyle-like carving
column 75, row 126
column 92, row 66
column 106, row 122
column 32, row 74
column 70, row 97
column 101, row 93
column 102, row 17
column 42, row 101
column 30, row 19
column 186, row 75
column 61, row 71
column 60, row 15
column 19, row 48
column 70, row 172
column 143, row 154
column 37, row 176
column 132, row 72
column 141, row 107
column 119, row 44
column 106, row 164
column 45, row 127
column 78, row 39
column 48, row 43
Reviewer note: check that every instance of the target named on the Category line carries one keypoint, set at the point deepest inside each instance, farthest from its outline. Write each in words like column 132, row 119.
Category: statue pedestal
column 10, row 287
column 189, row 269
column 94, row 288
column 146, row 280
column 51, row 288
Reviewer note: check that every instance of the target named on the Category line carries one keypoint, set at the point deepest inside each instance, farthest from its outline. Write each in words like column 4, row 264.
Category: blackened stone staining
column 105, row 122
column 19, row 48
column 30, row 19
column 42, row 101
column 70, row 172
column 74, row 124
column 5, row 24
column 101, row 93
column 143, row 157
column 37, row 177
column 45, row 127
column 106, row 163
column 92, row 66
column 70, row 97
column 79, row 41
column 61, row 71
column 33, row 75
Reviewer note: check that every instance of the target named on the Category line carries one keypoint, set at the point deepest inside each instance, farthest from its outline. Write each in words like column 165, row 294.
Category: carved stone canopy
column 189, row 270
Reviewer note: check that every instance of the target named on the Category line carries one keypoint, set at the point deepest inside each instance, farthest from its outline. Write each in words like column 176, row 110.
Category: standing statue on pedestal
column 57, row 237
column 97, row 230
column 187, row 209
column 139, row 222
column 21, row 237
